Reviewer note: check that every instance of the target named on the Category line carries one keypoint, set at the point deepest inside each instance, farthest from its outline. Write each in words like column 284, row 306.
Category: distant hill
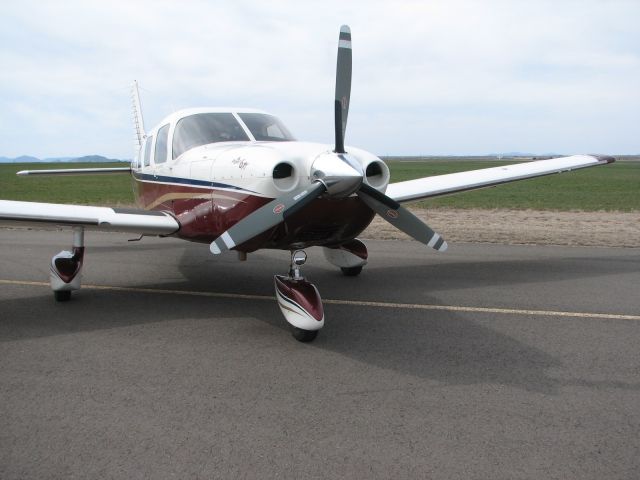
column 22, row 159
column 85, row 159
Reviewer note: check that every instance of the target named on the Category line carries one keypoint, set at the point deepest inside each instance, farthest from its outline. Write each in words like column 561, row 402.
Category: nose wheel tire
column 304, row 335
column 62, row 295
column 351, row 271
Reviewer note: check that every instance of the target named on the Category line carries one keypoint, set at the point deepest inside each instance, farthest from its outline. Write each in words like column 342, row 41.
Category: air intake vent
column 377, row 174
column 282, row 170
column 284, row 177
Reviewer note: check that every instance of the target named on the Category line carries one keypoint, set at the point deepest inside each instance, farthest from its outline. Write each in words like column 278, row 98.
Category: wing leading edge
column 75, row 171
column 92, row 218
column 487, row 177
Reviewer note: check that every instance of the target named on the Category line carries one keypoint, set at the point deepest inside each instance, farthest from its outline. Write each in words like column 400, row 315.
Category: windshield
column 203, row 128
column 266, row 127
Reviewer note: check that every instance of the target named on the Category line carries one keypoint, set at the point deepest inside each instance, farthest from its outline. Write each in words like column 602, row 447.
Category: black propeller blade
column 343, row 86
column 400, row 217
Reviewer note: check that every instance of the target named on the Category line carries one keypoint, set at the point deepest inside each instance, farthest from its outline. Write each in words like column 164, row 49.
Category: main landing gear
column 66, row 268
column 350, row 257
column 299, row 300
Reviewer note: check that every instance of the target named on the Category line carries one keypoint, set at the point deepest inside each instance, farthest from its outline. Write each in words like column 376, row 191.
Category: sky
column 429, row 77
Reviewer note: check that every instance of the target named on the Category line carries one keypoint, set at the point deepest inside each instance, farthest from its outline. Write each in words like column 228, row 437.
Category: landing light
column 299, row 257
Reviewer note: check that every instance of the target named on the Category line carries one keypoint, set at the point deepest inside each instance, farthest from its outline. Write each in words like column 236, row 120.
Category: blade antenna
column 343, row 86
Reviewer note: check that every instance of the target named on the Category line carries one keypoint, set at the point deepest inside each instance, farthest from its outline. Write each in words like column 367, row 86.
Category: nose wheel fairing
column 299, row 302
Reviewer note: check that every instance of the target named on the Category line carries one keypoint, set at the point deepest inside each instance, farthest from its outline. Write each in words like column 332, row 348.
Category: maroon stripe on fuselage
column 206, row 213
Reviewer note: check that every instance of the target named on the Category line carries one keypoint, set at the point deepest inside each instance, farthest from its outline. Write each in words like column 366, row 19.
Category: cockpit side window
column 204, row 128
column 161, row 145
column 266, row 127
column 148, row 146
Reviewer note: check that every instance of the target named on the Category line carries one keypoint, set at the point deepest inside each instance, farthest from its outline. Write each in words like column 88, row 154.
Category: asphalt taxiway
column 488, row 361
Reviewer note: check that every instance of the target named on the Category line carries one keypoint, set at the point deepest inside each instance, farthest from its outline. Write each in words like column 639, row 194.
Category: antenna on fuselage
column 138, row 121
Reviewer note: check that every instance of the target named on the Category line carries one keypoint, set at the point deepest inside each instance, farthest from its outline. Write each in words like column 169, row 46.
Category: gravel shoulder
column 610, row 229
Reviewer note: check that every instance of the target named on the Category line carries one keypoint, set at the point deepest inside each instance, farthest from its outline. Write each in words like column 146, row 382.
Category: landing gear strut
column 66, row 268
column 299, row 300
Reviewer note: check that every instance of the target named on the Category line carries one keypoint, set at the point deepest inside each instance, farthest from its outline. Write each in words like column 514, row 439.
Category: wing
column 93, row 218
column 76, row 171
column 487, row 177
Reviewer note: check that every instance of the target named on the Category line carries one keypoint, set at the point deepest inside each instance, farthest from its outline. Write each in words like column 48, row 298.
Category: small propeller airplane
column 236, row 179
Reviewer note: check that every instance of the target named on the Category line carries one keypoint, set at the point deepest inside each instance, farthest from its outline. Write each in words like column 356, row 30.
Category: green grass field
column 610, row 187
column 83, row 190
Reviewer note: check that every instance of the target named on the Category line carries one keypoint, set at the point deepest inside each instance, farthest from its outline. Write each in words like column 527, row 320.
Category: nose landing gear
column 299, row 300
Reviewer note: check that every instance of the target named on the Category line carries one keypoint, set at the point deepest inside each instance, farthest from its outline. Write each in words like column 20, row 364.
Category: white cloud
column 429, row 76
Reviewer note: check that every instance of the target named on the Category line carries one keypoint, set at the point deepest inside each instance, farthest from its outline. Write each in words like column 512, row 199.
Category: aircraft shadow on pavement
column 471, row 274
column 444, row 347
column 400, row 283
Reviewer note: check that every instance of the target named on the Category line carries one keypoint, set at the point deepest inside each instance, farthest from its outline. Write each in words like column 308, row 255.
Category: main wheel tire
column 351, row 271
column 304, row 335
column 62, row 295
